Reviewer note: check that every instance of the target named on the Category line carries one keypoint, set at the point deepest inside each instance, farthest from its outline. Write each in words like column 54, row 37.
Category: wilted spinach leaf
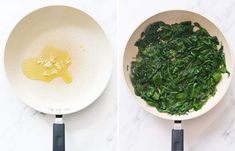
column 177, row 66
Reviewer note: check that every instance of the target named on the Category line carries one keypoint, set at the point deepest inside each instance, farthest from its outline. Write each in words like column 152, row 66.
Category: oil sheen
column 53, row 63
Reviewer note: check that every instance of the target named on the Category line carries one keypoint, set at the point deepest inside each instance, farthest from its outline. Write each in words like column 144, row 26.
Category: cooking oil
column 52, row 63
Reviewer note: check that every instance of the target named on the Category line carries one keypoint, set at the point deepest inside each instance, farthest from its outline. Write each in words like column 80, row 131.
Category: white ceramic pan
column 91, row 55
column 170, row 17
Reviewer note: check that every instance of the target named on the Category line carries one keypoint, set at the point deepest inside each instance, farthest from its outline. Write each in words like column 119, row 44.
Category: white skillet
column 91, row 54
column 176, row 16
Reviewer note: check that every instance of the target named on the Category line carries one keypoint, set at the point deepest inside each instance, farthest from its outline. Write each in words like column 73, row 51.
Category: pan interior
column 171, row 17
column 65, row 28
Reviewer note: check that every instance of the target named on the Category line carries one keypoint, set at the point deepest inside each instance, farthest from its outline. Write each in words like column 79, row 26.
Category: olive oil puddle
column 52, row 63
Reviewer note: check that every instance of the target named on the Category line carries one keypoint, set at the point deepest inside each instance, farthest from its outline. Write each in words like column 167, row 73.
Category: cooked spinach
column 177, row 66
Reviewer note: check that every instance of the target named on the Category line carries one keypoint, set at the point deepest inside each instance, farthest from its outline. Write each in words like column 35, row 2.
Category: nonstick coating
column 170, row 17
column 65, row 28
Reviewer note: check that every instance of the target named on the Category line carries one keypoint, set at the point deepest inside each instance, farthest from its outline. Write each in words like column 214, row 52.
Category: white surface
column 140, row 130
column 22, row 128
column 66, row 28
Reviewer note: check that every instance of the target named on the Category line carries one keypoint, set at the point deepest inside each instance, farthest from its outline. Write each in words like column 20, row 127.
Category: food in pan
column 177, row 66
column 51, row 64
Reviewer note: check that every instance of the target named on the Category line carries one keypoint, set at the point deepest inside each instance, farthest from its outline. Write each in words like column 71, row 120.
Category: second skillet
column 170, row 17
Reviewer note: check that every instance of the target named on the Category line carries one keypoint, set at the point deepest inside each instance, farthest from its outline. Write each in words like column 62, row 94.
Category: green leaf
column 181, row 95
column 217, row 76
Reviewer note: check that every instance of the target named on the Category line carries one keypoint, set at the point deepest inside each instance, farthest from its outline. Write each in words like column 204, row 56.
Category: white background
column 140, row 131
column 92, row 129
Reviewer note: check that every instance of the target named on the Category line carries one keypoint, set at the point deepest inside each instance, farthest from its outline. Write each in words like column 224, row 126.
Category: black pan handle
column 58, row 134
column 177, row 140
